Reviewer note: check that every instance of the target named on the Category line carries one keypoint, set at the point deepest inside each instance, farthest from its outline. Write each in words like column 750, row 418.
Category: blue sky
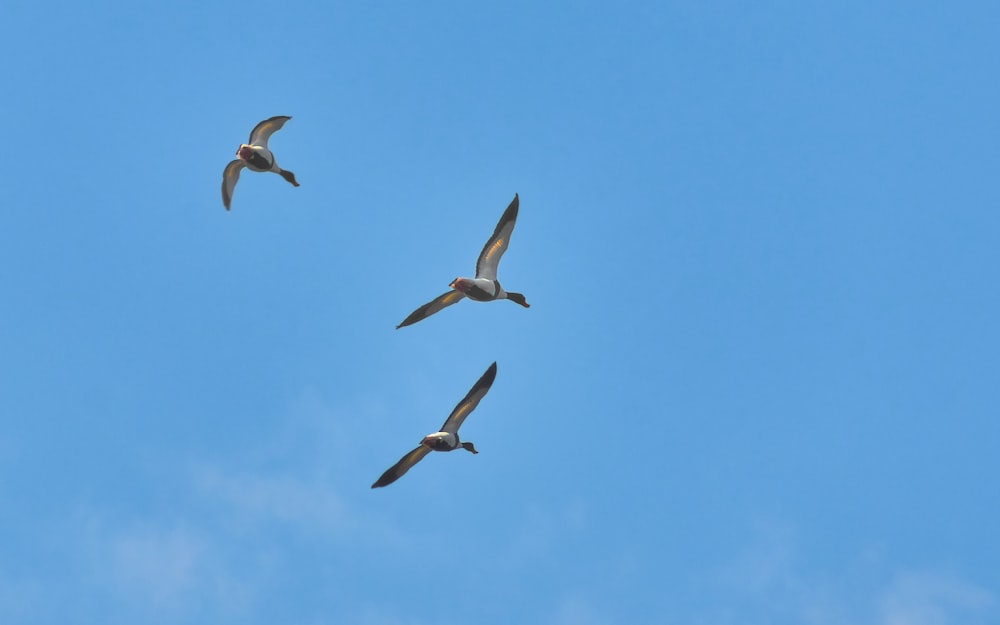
column 757, row 383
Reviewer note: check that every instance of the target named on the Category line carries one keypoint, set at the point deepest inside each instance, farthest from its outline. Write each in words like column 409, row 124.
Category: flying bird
column 484, row 287
column 447, row 438
column 255, row 156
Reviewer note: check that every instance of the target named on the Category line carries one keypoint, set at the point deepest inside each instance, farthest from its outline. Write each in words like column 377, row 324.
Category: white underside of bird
column 484, row 287
column 447, row 438
column 255, row 156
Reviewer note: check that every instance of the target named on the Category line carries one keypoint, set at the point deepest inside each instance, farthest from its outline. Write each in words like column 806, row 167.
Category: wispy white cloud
column 539, row 529
column 372, row 615
column 935, row 598
column 763, row 565
column 312, row 505
column 19, row 598
column 578, row 610
column 170, row 569
column 163, row 566
column 772, row 581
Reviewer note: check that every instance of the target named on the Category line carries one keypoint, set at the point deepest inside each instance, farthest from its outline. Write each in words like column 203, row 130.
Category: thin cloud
column 578, row 610
column 161, row 566
column 771, row 581
column 170, row 569
column 935, row 598
column 307, row 505
column 19, row 598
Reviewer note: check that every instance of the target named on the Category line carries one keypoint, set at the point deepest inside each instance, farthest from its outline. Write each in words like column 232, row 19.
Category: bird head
column 518, row 298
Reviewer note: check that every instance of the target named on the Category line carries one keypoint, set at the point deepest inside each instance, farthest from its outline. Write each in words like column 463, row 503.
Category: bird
column 256, row 156
column 447, row 438
column 484, row 287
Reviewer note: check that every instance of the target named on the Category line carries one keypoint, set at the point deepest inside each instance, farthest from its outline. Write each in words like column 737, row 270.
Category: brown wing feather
column 489, row 258
column 470, row 401
column 230, row 177
column 431, row 307
column 397, row 470
column 263, row 131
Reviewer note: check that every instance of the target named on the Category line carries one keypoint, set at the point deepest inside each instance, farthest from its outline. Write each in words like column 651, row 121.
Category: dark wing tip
column 513, row 206
column 387, row 478
column 417, row 315
column 434, row 306
column 405, row 463
column 484, row 382
column 409, row 321
column 509, row 215
column 488, row 377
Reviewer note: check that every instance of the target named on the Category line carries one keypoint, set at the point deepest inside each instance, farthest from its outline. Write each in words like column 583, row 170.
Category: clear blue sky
column 758, row 383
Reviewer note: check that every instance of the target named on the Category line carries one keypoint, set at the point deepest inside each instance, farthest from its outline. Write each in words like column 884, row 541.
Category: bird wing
column 229, row 177
column 431, row 307
column 263, row 131
column 397, row 470
column 471, row 400
column 489, row 258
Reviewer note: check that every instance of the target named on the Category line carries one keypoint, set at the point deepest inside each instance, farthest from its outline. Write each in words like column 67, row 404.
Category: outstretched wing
column 229, row 178
column 397, row 470
column 489, row 258
column 432, row 307
column 263, row 131
column 471, row 400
